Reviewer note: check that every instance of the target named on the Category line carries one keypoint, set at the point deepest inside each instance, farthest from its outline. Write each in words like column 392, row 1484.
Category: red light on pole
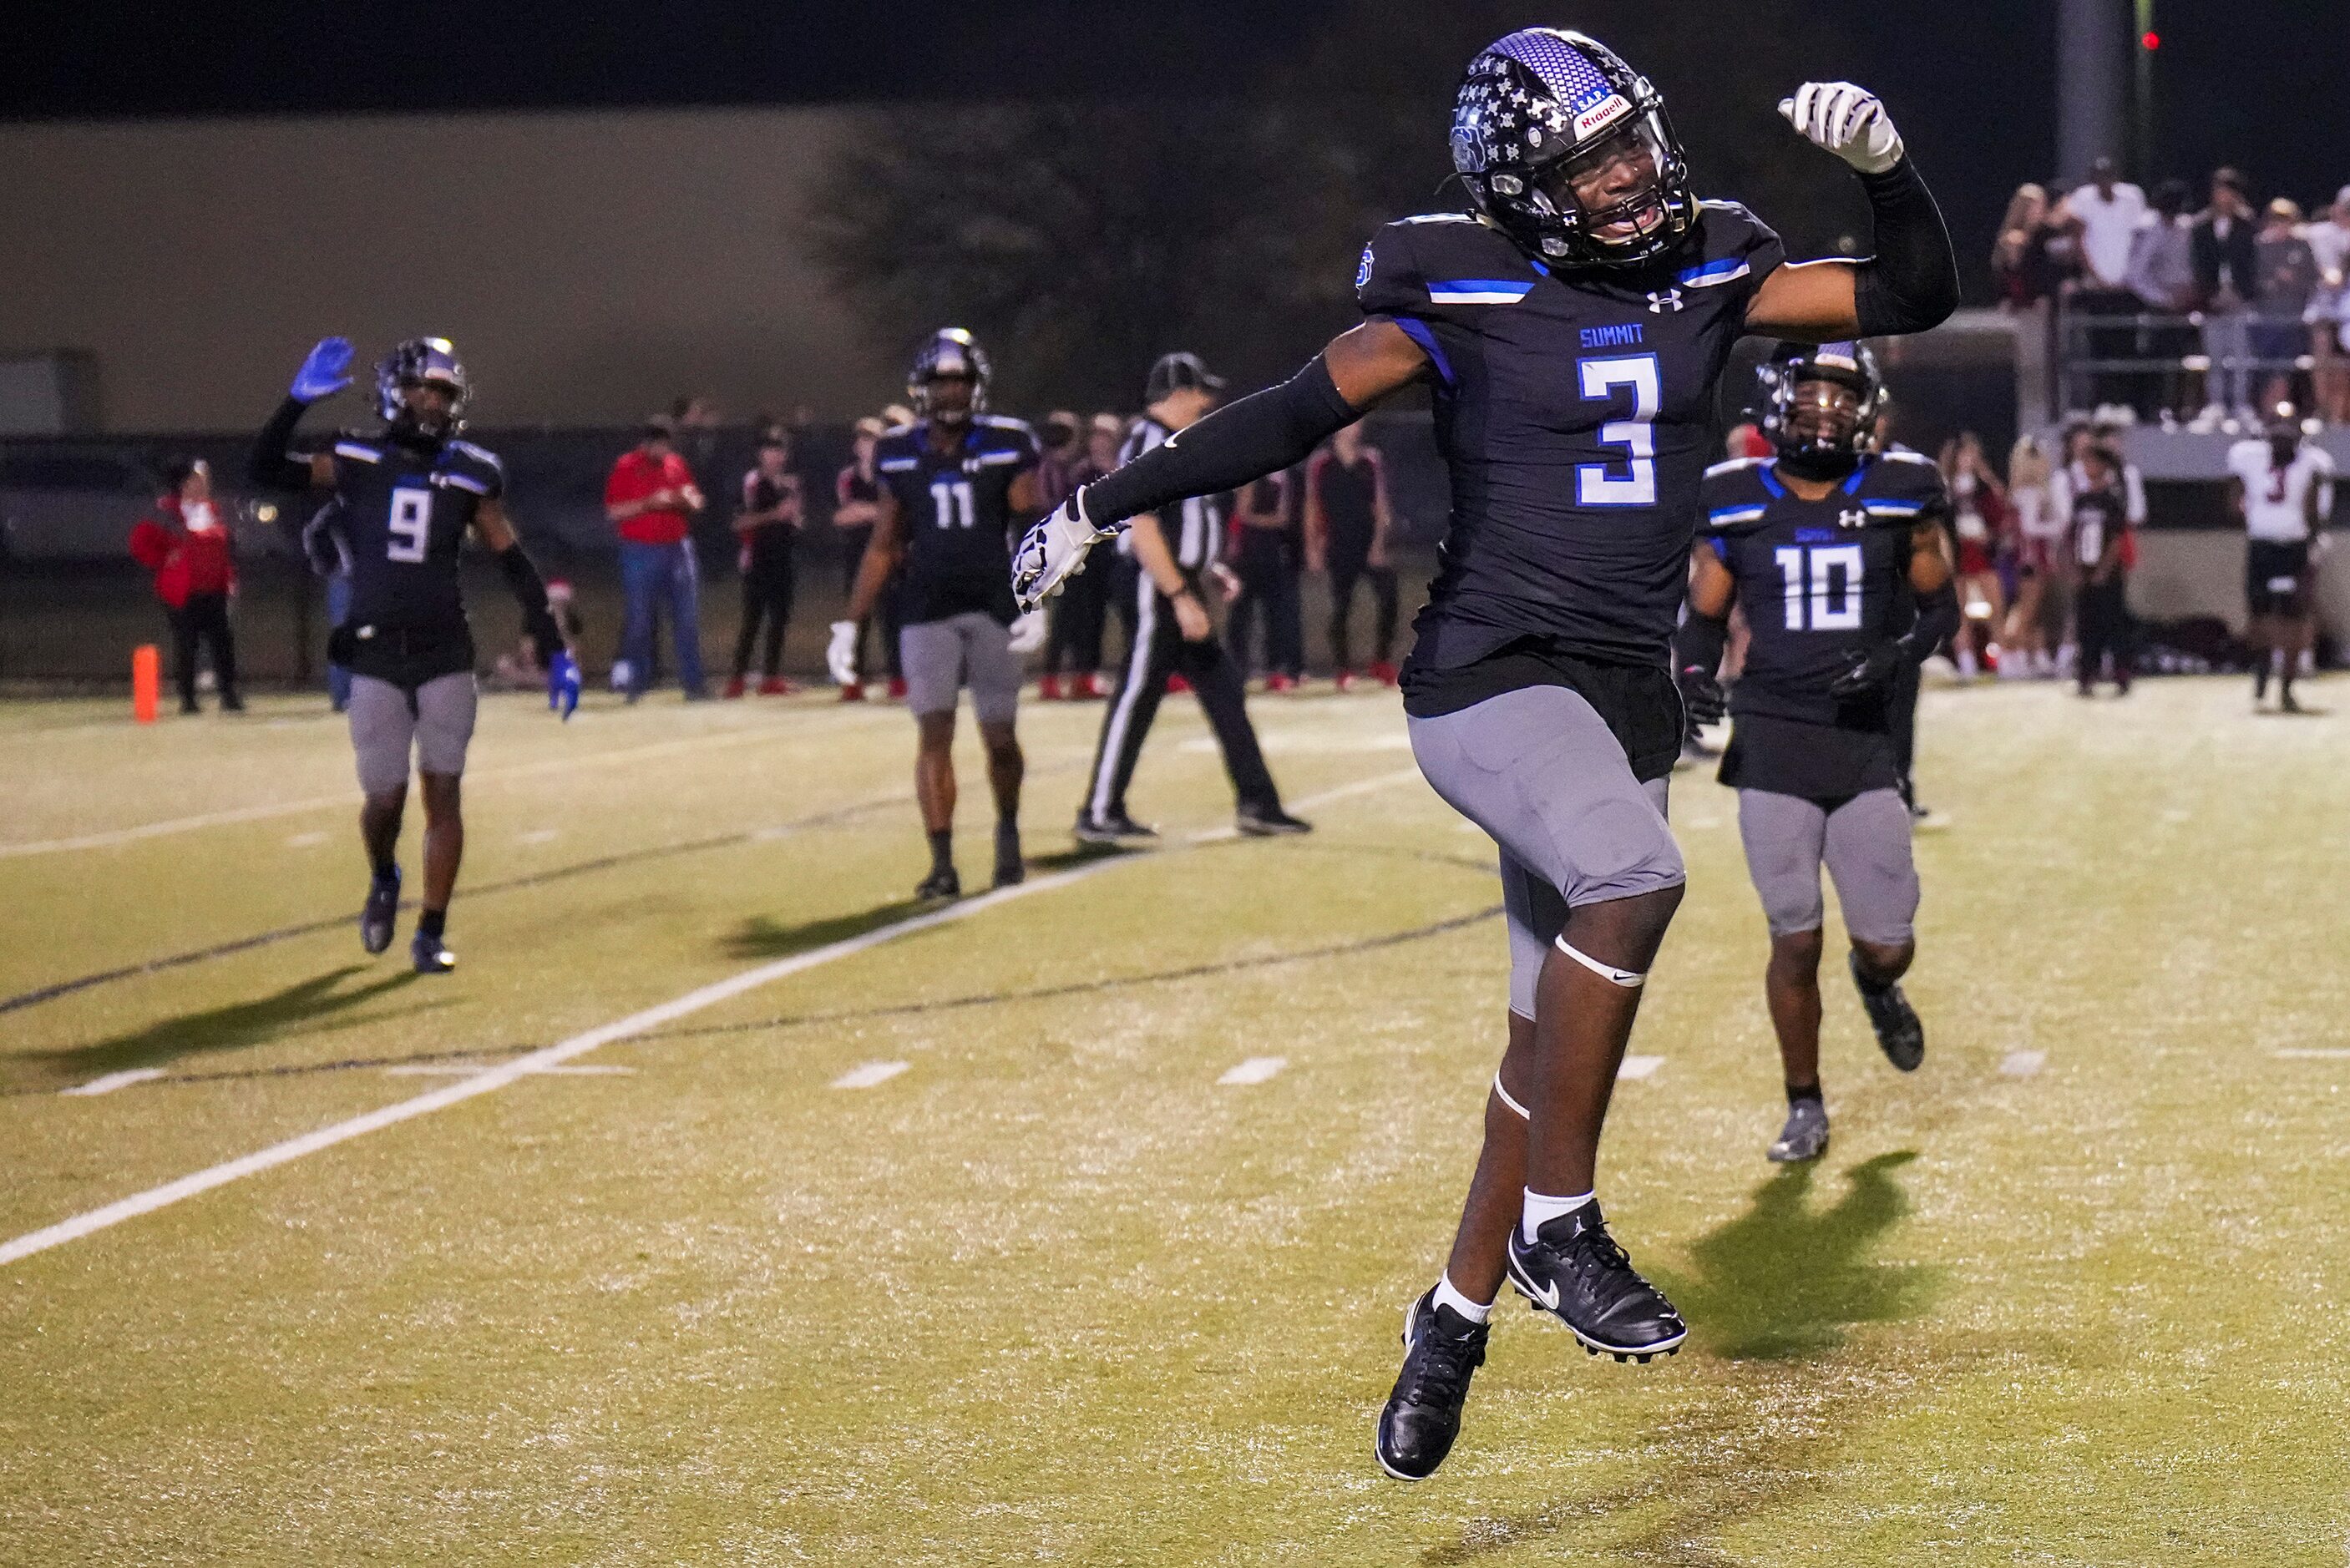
column 2150, row 40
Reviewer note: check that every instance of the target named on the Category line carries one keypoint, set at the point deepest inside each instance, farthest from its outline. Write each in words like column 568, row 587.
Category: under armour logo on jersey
column 1857, row 517
column 1658, row 303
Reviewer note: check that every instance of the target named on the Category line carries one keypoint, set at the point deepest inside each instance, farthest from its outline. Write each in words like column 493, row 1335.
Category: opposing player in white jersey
column 2284, row 490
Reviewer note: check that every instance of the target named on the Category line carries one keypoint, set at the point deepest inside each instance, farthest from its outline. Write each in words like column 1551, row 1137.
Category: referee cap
column 1174, row 372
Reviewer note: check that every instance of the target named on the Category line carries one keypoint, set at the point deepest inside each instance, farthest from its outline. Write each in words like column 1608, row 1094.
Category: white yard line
column 2312, row 1054
column 113, row 1081
column 112, row 838
column 2022, row 1064
column 466, row 1070
column 1256, row 1070
column 871, row 1075
column 491, row 1079
column 1635, row 1069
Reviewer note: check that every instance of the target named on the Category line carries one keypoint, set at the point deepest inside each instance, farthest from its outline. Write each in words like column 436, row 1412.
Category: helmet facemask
column 1821, row 409
column 1613, row 191
column 422, row 361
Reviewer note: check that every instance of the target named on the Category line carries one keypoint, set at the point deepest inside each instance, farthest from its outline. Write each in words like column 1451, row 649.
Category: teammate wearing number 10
column 1572, row 329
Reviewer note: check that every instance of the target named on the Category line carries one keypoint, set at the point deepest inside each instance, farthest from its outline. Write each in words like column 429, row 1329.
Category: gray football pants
column 1541, row 774
column 1865, row 845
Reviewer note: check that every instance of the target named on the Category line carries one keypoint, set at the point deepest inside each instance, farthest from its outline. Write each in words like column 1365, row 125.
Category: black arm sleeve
column 1700, row 642
column 1912, row 281
column 1260, row 434
column 270, row 466
column 530, row 593
column 1937, row 622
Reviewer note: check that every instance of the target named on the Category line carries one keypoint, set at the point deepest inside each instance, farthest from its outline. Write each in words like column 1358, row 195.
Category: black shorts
column 2276, row 576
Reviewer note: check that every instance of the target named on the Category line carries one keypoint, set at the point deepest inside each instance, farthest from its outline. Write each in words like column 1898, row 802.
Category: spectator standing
column 2227, row 286
column 1979, row 519
column 1269, row 556
column 768, row 526
column 2040, row 531
column 2328, row 312
column 2287, row 267
column 185, row 542
column 2109, row 210
column 856, row 504
column 1065, row 465
column 2022, row 261
column 2162, row 276
column 1348, row 523
column 651, row 499
column 2099, row 527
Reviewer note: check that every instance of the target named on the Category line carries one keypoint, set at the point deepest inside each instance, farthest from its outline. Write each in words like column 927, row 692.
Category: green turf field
column 1050, row 1292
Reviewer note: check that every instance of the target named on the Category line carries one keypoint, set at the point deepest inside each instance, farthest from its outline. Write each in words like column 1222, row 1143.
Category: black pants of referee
column 1159, row 652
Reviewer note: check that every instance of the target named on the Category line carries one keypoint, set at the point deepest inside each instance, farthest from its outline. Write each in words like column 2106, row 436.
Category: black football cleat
column 942, row 883
column 1111, row 827
column 382, row 907
column 1574, row 1270
column 1011, row 867
column 1899, row 1035
column 431, row 956
column 1441, row 1350
column 1269, row 822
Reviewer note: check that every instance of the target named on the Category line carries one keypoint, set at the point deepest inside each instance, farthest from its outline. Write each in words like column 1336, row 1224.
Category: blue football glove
column 563, row 685
column 326, row 372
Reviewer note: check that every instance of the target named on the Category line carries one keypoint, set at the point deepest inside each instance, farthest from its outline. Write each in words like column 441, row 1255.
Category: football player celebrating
column 952, row 484
column 2284, row 490
column 1838, row 556
column 399, row 502
column 1574, row 328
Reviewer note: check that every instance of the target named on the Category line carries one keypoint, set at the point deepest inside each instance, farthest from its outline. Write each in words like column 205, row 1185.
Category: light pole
column 2091, row 85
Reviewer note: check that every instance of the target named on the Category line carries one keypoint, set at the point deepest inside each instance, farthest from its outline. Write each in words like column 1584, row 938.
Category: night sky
column 2262, row 83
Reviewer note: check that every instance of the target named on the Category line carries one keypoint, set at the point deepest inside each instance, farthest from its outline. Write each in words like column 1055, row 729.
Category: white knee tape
column 1629, row 980
column 1524, row 1113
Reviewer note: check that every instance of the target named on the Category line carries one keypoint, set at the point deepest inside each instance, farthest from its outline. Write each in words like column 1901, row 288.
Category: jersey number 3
column 411, row 525
column 1831, row 606
column 1595, row 486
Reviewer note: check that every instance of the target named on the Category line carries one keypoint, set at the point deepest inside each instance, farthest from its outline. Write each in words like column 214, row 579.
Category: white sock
column 1448, row 1295
column 1542, row 1209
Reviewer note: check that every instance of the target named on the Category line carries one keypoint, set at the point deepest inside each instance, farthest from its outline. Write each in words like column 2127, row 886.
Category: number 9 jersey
column 402, row 512
column 1575, row 413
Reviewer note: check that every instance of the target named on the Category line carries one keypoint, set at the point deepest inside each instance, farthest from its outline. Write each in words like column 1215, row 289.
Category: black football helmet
column 950, row 351
column 421, row 359
column 1545, row 106
column 1849, row 364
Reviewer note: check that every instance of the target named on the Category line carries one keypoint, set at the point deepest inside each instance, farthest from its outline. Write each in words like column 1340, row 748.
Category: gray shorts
column 1863, row 843
column 1541, row 772
column 972, row 649
column 384, row 728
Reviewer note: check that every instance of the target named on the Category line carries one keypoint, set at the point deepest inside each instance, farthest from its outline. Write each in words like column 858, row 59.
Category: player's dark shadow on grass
column 309, row 1006
column 761, row 937
column 1788, row 1277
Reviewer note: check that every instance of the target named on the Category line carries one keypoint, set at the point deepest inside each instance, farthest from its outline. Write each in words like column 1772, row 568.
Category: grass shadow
column 760, row 936
column 299, row 1008
column 1789, row 1277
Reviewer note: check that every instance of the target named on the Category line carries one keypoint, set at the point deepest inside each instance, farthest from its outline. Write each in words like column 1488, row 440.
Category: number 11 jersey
column 954, row 514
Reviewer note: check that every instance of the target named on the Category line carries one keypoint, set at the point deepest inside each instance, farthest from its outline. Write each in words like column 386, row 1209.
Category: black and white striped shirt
column 1195, row 529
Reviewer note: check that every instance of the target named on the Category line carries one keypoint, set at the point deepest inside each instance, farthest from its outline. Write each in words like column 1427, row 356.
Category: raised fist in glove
column 1054, row 551
column 326, row 371
column 840, row 654
column 1847, row 120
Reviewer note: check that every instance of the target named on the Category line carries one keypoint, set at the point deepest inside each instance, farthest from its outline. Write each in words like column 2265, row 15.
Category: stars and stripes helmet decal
column 1545, row 104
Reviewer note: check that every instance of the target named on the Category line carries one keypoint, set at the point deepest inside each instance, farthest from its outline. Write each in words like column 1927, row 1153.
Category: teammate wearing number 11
column 1572, row 328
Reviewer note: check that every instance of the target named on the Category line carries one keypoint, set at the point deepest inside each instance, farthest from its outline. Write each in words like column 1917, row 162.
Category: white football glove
column 1849, row 121
column 1054, row 551
column 1028, row 633
column 840, row 655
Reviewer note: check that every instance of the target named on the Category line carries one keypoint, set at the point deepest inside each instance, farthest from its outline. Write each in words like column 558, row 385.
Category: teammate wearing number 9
column 399, row 502
column 1838, row 555
column 1572, row 327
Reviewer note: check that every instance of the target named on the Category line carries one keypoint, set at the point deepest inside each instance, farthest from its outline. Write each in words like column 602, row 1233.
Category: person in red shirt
column 185, row 542
column 651, row 499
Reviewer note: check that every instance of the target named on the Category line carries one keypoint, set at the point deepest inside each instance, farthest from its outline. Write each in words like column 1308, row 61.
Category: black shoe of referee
column 1900, row 1033
column 1574, row 1270
column 1442, row 1351
column 1111, row 827
column 1269, row 822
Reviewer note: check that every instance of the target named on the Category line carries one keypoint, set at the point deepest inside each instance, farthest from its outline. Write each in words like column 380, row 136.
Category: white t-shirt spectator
column 2276, row 503
column 2107, row 224
column 2329, row 242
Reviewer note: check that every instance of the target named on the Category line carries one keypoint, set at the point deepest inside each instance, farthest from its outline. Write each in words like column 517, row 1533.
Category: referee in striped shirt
column 1175, row 550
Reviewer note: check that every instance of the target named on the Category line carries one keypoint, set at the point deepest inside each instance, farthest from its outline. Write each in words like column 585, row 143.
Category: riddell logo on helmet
column 1599, row 116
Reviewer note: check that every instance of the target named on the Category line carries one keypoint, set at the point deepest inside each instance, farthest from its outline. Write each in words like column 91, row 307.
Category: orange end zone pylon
column 146, row 681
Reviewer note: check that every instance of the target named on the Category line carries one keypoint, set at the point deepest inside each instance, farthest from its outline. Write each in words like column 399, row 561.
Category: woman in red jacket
column 186, row 545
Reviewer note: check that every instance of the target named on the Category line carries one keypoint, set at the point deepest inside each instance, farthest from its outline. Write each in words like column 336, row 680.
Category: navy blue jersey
column 1821, row 581
column 1575, row 411
column 954, row 511
column 400, row 513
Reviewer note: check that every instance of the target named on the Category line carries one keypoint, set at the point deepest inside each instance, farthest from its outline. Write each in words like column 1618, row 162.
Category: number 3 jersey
column 954, row 514
column 1821, row 581
column 1576, row 414
column 400, row 511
